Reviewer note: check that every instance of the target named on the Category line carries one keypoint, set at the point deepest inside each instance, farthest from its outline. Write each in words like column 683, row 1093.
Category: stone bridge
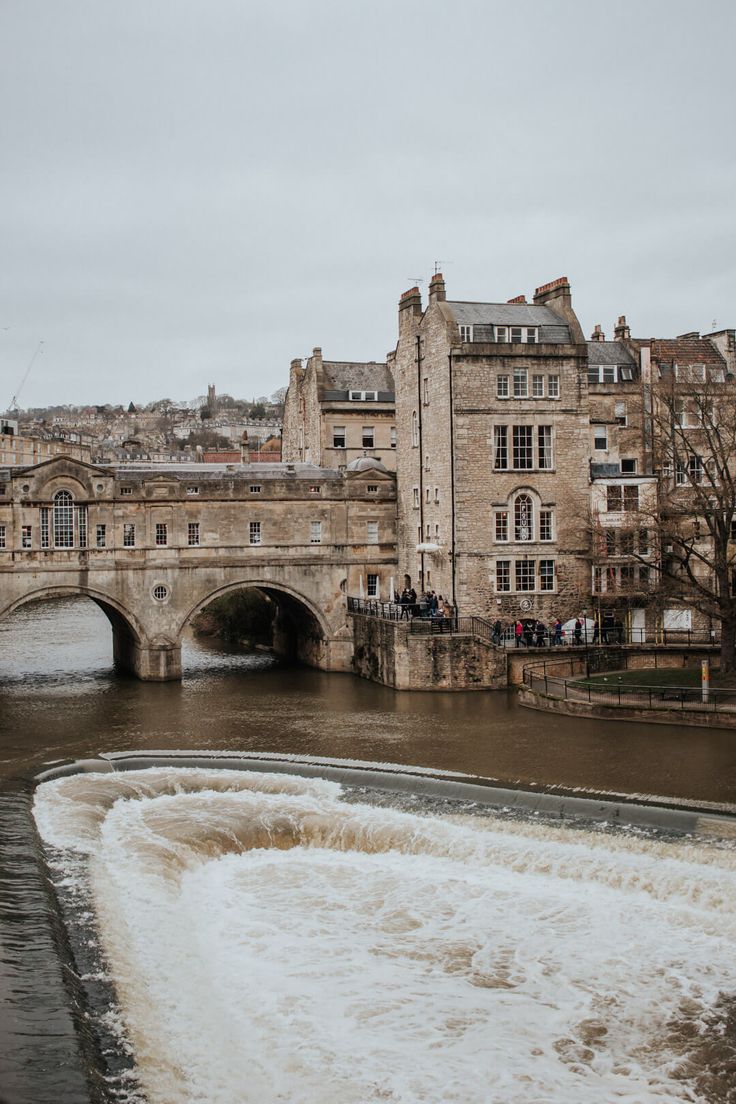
column 154, row 545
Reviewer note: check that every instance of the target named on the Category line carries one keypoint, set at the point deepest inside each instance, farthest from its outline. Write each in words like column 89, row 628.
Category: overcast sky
column 197, row 191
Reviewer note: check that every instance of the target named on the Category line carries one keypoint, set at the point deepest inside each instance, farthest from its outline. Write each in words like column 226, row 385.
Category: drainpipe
column 421, row 450
column 452, row 483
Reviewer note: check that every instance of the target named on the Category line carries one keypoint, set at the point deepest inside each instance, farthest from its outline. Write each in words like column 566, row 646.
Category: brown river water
column 60, row 699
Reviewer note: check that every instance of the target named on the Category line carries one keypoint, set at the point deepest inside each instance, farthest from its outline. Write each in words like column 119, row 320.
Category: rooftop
column 609, row 352
column 346, row 375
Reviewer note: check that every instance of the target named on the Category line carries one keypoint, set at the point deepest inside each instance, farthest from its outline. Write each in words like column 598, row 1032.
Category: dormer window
column 605, row 373
column 466, row 334
column 517, row 335
column 363, row 396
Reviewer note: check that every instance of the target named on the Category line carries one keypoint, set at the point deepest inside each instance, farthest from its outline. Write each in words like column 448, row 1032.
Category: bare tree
column 692, row 414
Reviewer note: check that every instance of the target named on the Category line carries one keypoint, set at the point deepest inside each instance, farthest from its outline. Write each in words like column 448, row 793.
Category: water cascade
column 270, row 940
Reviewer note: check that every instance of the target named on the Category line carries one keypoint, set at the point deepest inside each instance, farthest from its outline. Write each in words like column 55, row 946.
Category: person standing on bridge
column 404, row 602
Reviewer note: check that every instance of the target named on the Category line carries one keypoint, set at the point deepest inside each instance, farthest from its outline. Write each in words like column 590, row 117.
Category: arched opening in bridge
column 61, row 638
column 249, row 617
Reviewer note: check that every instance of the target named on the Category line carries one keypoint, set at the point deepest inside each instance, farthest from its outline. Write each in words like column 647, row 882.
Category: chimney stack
column 517, row 299
column 597, row 334
column 437, row 288
column 557, row 295
column 410, row 307
column 621, row 331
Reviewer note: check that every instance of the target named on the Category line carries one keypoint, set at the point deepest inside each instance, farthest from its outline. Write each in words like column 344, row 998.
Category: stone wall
column 389, row 653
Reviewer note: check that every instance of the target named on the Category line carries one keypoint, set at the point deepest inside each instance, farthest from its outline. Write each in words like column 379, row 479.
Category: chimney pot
column 437, row 288
column 621, row 330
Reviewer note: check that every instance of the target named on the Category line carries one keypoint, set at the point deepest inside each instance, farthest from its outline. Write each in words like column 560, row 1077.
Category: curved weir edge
column 690, row 819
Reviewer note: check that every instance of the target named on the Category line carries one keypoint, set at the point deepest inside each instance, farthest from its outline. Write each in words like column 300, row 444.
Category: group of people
column 430, row 605
column 534, row 633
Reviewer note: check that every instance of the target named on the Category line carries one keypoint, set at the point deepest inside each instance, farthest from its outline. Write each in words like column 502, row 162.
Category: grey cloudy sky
column 197, row 191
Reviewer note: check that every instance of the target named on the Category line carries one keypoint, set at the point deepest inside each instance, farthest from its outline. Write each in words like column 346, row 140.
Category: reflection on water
column 270, row 942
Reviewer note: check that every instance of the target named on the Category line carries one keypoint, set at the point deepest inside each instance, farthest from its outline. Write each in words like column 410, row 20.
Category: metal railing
column 420, row 620
column 418, row 615
column 611, row 637
column 469, row 626
column 550, row 678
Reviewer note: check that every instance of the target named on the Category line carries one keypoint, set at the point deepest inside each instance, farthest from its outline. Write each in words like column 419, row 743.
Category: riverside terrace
column 420, row 621
column 463, row 653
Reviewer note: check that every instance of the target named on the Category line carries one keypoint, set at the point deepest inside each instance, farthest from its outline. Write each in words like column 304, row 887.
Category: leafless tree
column 692, row 416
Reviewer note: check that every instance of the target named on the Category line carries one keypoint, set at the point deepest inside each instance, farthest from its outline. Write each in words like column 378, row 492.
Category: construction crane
column 31, row 362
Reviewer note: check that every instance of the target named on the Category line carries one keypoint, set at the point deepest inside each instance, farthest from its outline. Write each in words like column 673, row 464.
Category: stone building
column 631, row 478
column 339, row 411
column 493, row 451
column 623, row 549
column 17, row 448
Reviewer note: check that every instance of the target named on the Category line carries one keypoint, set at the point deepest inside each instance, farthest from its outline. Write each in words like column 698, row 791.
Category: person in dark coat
column 539, row 631
column 529, row 633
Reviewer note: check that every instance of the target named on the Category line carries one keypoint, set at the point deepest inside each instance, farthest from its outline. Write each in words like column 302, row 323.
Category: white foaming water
column 269, row 942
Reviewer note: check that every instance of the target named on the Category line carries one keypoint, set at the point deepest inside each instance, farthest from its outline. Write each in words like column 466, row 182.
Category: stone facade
column 338, row 411
column 493, row 456
column 152, row 546
column 390, row 653
column 17, row 449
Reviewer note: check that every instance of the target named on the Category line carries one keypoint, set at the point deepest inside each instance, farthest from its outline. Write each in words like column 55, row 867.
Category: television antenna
column 415, row 280
column 26, row 374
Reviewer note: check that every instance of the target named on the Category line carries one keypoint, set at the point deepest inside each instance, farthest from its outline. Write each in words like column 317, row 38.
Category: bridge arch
column 127, row 632
column 301, row 629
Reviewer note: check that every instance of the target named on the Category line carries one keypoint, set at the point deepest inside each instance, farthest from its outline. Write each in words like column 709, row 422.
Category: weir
column 309, row 887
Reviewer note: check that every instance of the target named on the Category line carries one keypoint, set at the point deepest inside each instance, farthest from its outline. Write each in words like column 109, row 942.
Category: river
column 60, row 699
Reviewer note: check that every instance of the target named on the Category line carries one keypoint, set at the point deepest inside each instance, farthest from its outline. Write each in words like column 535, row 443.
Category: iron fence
column 421, row 620
column 550, row 678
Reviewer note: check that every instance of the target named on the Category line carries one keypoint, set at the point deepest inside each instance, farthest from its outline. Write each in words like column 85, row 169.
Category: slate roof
column 609, row 352
column 483, row 316
column 345, row 375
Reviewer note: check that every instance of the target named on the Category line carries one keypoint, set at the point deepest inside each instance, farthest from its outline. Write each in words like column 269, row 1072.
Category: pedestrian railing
column 420, row 620
column 552, row 678
column 418, row 615
column 469, row 626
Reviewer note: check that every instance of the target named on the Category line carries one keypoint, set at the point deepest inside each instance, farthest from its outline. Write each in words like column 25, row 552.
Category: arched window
column 523, row 518
column 63, row 520
column 414, row 429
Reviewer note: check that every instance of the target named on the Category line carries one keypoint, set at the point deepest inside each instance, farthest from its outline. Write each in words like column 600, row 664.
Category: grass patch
column 661, row 676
